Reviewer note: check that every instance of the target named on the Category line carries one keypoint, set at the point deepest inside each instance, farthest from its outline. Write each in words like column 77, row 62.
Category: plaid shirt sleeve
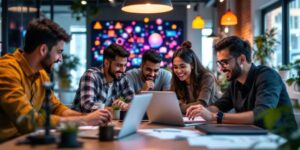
column 127, row 91
column 88, row 91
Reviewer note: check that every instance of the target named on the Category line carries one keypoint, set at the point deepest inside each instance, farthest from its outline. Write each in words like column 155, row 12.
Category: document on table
column 88, row 127
column 169, row 133
column 196, row 119
column 270, row 141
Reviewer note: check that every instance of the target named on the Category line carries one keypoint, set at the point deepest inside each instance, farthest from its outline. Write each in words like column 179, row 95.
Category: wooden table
column 138, row 141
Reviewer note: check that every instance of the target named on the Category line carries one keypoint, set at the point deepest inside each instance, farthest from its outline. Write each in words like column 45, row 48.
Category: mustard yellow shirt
column 21, row 91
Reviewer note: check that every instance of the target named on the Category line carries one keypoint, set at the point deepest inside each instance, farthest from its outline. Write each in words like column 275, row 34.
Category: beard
column 113, row 74
column 235, row 73
column 149, row 77
column 47, row 66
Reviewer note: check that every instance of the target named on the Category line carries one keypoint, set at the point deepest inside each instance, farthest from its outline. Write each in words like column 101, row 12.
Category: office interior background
column 94, row 24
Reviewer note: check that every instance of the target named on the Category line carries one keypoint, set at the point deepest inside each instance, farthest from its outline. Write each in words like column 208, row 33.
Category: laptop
column 231, row 129
column 132, row 120
column 164, row 109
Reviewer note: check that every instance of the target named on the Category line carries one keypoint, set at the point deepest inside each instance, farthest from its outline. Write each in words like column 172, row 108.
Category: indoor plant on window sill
column 295, row 79
column 265, row 46
column 283, row 71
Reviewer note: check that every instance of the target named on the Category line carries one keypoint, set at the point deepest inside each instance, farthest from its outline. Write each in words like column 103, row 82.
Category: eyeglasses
column 224, row 62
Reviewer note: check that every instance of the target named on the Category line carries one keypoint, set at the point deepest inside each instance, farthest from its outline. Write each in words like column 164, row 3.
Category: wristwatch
column 220, row 117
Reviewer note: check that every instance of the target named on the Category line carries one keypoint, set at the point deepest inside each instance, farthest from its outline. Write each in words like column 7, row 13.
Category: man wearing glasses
column 253, row 89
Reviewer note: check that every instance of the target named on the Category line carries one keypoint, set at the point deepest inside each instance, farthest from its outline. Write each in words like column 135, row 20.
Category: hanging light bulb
column 226, row 29
column 147, row 7
column 188, row 6
column 83, row 2
column 198, row 23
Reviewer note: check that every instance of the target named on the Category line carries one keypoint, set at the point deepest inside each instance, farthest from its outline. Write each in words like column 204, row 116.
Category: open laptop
column 164, row 109
column 231, row 129
column 132, row 120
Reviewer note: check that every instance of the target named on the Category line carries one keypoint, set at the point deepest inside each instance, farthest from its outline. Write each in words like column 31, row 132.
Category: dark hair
column 151, row 55
column 236, row 47
column 188, row 56
column 43, row 31
column 114, row 50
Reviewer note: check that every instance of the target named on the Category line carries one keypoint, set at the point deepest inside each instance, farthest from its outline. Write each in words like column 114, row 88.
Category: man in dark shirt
column 252, row 91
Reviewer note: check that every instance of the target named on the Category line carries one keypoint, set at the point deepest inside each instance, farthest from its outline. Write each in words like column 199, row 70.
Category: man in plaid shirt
column 106, row 83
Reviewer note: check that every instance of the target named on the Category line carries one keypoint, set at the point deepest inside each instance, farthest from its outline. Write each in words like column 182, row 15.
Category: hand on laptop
column 98, row 117
column 123, row 105
column 148, row 85
column 198, row 110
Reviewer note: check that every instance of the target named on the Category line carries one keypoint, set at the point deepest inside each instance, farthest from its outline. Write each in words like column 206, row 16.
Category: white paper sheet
column 169, row 133
column 196, row 119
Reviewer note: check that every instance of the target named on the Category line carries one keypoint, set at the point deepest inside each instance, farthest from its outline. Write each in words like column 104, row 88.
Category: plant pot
column 296, row 87
column 106, row 133
column 284, row 74
column 122, row 114
column 69, row 139
column 116, row 114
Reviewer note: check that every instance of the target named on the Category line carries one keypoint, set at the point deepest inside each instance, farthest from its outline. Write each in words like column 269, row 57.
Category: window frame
column 285, row 24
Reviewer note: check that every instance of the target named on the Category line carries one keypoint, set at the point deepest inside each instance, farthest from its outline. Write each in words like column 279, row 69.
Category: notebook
column 231, row 129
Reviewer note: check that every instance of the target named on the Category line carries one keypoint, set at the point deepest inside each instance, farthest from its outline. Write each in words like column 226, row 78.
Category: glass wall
column 273, row 19
column 294, row 33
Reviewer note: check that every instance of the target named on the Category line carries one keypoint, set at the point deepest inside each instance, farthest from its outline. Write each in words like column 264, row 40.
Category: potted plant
column 68, row 134
column 79, row 10
column 295, row 79
column 70, row 62
column 265, row 46
column 283, row 71
column 106, row 132
column 117, row 110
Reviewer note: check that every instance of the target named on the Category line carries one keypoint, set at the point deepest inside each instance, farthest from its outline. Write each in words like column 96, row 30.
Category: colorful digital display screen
column 137, row 37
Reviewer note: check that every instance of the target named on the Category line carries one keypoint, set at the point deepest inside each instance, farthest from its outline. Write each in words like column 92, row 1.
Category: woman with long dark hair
column 192, row 83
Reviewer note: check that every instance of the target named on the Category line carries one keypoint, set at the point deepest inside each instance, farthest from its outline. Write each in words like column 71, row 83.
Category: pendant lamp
column 22, row 6
column 198, row 22
column 147, row 6
column 229, row 18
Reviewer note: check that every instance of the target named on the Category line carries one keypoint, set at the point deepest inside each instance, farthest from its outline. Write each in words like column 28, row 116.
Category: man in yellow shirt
column 22, row 75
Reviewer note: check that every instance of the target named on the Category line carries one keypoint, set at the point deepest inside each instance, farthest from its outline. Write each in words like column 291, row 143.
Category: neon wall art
column 137, row 37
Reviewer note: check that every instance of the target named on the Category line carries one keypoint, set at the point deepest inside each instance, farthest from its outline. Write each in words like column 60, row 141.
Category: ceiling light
column 188, row 6
column 83, row 2
column 198, row 23
column 229, row 19
column 147, row 7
